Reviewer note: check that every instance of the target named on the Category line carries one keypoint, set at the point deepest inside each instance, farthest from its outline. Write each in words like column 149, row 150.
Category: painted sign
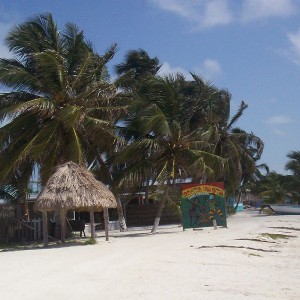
column 201, row 204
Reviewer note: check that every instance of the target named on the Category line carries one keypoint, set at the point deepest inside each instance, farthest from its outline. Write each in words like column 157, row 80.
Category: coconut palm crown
column 60, row 101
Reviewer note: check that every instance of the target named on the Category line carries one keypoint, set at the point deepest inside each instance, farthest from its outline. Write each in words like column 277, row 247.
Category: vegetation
column 141, row 130
column 276, row 236
column 278, row 188
column 90, row 241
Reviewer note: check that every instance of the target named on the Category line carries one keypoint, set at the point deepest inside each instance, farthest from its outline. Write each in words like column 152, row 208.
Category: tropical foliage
column 273, row 189
column 278, row 188
column 293, row 180
column 61, row 103
column 163, row 139
column 141, row 130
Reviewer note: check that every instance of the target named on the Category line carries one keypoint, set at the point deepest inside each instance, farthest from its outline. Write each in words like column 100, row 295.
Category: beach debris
column 276, row 236
column 287, row 228
column 238, row 247
column 256, row 240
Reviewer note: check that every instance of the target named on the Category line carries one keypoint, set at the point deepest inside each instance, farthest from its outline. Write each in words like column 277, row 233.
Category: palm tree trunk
column 45, row 228
column 160, row 208
column 92, row 223
column 105, row 217
column 122, row 221
column 57, row 233
column 62, row 219
column 147, row 191
column 239, row 199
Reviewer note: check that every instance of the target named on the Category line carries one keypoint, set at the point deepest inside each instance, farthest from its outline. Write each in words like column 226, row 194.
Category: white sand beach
column 237, row 262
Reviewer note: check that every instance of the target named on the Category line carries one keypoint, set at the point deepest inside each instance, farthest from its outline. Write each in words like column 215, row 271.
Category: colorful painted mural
column 201, row 204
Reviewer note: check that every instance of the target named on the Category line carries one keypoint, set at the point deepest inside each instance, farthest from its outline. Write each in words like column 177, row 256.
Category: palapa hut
column 73, row 187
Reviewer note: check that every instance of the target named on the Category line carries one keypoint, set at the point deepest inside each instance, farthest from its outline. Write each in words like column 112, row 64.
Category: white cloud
column 294, row 51
column 182, row 8
column 279, row 132
column 217, row 12
column 260, row 9
column 276, row 120
column 209, row 69
column 201, row 13
column 210, row 13
column 294, row 38
column 166, row 69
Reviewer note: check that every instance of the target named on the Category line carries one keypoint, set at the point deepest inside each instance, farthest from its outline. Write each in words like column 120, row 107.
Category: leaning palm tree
column 252, row 173
column 60, row 102
column 240, row 148
column 163, row 141
column 139, row 64
column 205, row 104
column 207, row 109
column 272, row 188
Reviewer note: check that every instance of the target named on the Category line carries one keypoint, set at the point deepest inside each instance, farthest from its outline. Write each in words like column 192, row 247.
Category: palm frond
column 15, row 75
column 40, row 106
column 238, row 114
column 35, row 35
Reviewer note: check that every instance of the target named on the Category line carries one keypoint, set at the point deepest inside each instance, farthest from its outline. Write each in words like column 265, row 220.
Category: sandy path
column 169, row 265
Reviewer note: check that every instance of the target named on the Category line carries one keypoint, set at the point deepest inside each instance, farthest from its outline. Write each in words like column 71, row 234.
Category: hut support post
column 92, row 219
column 105, row 217
column 62, row 215
column 45, row 228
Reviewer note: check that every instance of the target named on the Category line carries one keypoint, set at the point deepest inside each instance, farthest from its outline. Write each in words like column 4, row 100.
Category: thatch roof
column 73, row 187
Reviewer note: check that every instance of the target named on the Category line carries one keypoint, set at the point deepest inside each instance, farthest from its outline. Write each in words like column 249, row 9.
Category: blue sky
column 250, row 47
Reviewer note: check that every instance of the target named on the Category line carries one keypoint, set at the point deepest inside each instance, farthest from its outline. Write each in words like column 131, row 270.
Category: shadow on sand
column 40, row 246
column 84, row 241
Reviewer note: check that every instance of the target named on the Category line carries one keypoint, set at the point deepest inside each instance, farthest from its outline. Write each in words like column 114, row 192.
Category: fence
column 13, row 230
column 32, row 230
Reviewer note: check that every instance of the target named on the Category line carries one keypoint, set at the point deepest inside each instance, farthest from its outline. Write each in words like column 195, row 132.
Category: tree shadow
column 40, row 246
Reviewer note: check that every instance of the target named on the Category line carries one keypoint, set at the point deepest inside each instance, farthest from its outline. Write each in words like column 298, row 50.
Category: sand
column 237, row 262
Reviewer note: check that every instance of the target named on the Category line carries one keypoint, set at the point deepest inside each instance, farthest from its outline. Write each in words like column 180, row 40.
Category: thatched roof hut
column 72, row 187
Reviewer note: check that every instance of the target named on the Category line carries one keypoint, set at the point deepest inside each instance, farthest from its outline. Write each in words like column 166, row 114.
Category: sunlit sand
column 256, row 257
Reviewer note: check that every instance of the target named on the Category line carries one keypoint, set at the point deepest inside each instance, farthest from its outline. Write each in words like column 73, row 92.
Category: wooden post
column 39, row 235
column 62, row 216
column 45, row 228
column 215, row 224
column 92, row 219
column 105, row 217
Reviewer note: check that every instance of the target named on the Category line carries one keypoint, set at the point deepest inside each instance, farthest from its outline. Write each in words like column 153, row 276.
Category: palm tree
column 272, row 188
column 137, row 66
column 251, row 177
column 14, row 190
column 293, row 164
column 207, row 109
column 240, row 148
column 60, row 105
column 172, row 150
column 8, row 193
column 293, row 181
column 205, row 105
column 105, row 171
